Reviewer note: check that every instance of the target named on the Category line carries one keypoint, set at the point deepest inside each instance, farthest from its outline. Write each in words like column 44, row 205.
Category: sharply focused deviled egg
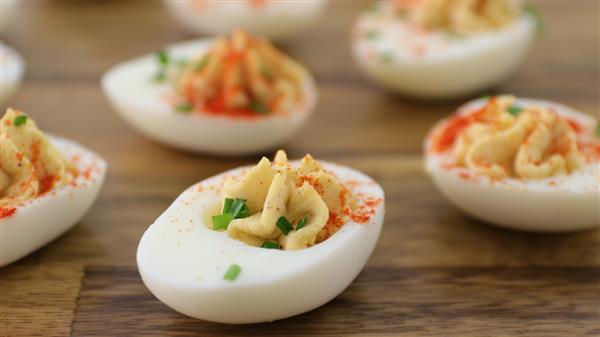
column 13, row 67
column 294, row 235
column 46, row 185
column 225, row 96
column 442, row 48
column 272, row 19
column 519, row 163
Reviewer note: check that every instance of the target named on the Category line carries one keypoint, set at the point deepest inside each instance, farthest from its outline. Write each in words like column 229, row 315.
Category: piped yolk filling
column 503, row 139
column 277, row 205
column 29, row 165
column 242, row 76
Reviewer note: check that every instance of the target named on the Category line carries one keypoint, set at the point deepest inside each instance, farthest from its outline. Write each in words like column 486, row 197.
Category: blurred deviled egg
column 442, row 48
column 519, row 163
column 13, row 67
column 291, row 234
column 228, row 96
column 47, row 184
column 272, row 19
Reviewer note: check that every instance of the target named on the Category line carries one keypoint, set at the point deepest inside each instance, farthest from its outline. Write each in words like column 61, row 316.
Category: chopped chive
column 371, row 35
column 162, row 57
column 259, row 107
column 239, row 209
column 302, row 222
column 486, row 97
column 182, row 63
column 270, row 245
column 598, row 129
column 386, row 57
column 160, row 76
column 530, row 10
column 373, row 7
column 201, row 64
column 266, row 72
column 284, row 225
column 20, row 120
column 514, row 110
column 232, row 272
column 454, row 35
column 184, row 107
column 227, row 205
column 221, row 221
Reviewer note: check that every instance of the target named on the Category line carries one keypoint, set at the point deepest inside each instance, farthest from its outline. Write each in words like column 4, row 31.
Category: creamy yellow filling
column 458, row 16
column 242, row 73
column 528, row 142
column 29, row 164
column 275, row 190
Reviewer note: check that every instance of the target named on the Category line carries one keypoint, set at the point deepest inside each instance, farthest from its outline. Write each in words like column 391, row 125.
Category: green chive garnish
column 259, row 107
column 221, row 221
column 598, row 129
column 514, row 110
column 454, row 35
column 284, row 225
column 266, row 72
column 227, row 205
column 371, row 35
column 239, row 209
column 386, row 57
column 162, row 57
column 270, row 245
column 302, row 222
column 373, row 7
column 184, row 107
column 530, row 10
column 201, row 64
column 232, row 272
column 181, row 63
column 486, row 97
column 160, row 76
column 20, row 120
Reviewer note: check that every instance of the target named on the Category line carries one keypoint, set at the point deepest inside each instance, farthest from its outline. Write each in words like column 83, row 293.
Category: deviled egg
column 12, row 69
column 275, row 20
column 442, row 48
column 519, row 163
column 227, row 96
column 47, row 184
column 293, row 234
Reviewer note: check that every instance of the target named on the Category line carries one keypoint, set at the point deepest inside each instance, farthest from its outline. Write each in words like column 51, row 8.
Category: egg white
column 141, row 102
column 42, row 219
column 275, row 20
column 182, row 261
column 12, row 69
column 562, row 203
column 449, row 68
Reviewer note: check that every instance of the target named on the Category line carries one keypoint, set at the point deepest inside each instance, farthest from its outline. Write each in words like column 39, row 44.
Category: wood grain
column 38, row 300
column 417, row 302
column 435, row 271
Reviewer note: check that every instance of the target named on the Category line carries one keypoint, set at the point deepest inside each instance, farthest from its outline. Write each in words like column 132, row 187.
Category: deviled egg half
column 442, row 48
column 228, row 96
column 47, row 184
column 272, row 19
column 519, row 163
column 291, row 234
column 12, row 69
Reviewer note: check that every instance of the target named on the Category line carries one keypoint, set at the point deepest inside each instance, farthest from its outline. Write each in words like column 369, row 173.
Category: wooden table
column 435, row 272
